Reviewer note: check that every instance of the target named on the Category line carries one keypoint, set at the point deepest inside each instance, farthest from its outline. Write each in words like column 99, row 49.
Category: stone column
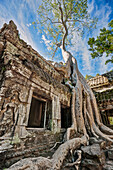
column 29, row 104
column 24, row 116
column 56, row 114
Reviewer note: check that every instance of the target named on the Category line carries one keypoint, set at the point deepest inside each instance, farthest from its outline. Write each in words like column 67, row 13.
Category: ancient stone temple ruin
column 31, row 90
column 32, row 94
column 35, row 108
column 102, row 87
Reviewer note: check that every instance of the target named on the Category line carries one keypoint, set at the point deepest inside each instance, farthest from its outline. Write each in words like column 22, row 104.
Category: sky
column 24, row 12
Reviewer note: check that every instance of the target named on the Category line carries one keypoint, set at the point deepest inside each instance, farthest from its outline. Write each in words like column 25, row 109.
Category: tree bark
column 90, row 114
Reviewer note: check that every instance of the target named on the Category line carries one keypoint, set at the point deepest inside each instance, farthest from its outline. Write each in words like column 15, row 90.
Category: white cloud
column 103, row 67
column 26, row 35
column 86, row 59
column 28, row 25
column 103, row 14
column 81, row 47
column 18, row 12
column 47, row 42
column 91, row 7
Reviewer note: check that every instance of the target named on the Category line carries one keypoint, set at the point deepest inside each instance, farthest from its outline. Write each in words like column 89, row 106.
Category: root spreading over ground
column 86, row 122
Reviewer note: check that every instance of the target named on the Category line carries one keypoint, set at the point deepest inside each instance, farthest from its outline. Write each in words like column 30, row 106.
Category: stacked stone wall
column 38, row 143
column 22, row 72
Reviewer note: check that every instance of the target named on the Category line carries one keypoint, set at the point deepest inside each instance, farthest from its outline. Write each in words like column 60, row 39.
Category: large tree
column 103, row 44
column 58, row 19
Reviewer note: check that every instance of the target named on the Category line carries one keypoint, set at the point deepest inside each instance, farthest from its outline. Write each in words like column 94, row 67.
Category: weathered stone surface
column 108, row 166
column 25, row 74
column 37, row 143
column 110, row 153
column 89, row 164
column 93, row 157
column 39, row 163
column 92, row 150
column 93, row 140
column 1, row 47
column 102, row 143
column 23, row 70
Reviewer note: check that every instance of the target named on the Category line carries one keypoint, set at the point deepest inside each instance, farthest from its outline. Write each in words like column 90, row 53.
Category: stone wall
column 24, row 72
column 102, row 87
column 98, row 81
column 37, row 143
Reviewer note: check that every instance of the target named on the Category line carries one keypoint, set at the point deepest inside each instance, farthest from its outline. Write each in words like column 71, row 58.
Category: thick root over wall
column 85, row 114
column 51, row 164
column 86, row 121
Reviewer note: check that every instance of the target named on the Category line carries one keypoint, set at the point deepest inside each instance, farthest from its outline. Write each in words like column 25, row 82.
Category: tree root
column 77, row 162
column 58, row 157
column 55, row 145
column 63, row 150
column 99, row 130
column 24, row 167
column 106, row 129
column 99, row 133
column 32, row 163
column 91, row 126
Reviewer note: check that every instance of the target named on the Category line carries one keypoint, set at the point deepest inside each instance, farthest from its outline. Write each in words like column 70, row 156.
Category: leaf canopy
column 103, row 44
column 58, row 19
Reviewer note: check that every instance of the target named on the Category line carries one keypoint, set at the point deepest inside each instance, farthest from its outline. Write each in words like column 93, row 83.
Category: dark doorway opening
column 36, row 116
column 66, row 118
column 107, row 117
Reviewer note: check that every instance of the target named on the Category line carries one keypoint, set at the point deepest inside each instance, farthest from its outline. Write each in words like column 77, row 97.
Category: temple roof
column 102, row 82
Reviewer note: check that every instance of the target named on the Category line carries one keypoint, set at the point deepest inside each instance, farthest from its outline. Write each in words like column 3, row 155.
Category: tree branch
column 57, row 22
column 64, row 25
column 65, row 10
column 76, row 20
column 54, row 51
column 55, row 145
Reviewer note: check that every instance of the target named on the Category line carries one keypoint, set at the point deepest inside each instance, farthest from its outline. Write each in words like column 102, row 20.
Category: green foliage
column 3, row 68
column 87, row 77
column 53, row 15
column 16, row 139
column 97, row 74
column 103, row 43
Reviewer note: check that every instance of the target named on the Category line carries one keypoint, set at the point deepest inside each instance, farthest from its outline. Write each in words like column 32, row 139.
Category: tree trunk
column 85, row 106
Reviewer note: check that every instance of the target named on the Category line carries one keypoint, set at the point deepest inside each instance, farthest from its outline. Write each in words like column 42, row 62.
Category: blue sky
column 24, row 12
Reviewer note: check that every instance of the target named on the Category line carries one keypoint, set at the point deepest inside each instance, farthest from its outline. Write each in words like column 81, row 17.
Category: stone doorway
column 36, row 115
column 40, row 115
column 66, row 118
column 107, row 117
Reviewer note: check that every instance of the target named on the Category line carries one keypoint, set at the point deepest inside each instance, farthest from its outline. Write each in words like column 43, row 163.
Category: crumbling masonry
column 26, row 79
column 33, row 99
